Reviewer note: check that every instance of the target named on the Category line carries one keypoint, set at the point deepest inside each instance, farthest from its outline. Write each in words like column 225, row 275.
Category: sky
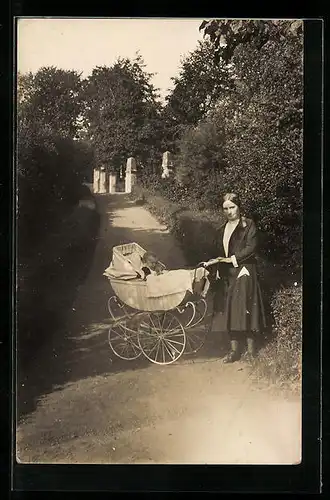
column 83, row 44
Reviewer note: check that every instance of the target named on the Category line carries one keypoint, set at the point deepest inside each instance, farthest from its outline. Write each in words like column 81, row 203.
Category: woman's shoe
column 231, row 357
column 251, row 349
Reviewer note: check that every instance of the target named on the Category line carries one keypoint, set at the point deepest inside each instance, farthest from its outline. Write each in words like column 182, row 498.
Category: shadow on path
column 75, row 326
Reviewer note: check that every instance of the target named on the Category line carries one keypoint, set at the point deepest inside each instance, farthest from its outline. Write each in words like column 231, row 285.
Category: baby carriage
column 155, row 316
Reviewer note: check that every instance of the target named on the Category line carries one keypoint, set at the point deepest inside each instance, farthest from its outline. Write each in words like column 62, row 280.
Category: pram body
column 142, row 323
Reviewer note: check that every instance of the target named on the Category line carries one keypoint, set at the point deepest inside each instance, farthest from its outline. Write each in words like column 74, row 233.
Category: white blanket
column 175, row 281
column 179, row 280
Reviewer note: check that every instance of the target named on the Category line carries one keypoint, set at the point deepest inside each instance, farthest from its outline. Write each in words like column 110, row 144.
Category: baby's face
column 158, row 268
column 152, row 263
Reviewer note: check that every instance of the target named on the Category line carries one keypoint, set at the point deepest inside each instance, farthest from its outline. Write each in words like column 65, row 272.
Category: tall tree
column 49, row 166
column 252, row 141
column 50, row 100
column 122, row 113
column 200, row 84
column 226, row 35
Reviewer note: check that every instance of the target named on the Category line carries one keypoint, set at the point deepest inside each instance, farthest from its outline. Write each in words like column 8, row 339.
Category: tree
column 122, row 113
column 200, row 84
column 50, row 99
column 251, row 142
column 48, row 110
column 49, row 167
column 226, row 35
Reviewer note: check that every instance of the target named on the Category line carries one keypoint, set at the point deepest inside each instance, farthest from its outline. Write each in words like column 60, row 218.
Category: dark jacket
column 238, row 298
column 243, row 244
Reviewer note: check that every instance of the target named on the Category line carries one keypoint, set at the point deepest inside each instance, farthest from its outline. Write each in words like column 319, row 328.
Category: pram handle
column 210, row 262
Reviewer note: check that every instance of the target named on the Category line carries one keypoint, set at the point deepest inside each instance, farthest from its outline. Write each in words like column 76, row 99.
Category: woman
column 237, row 300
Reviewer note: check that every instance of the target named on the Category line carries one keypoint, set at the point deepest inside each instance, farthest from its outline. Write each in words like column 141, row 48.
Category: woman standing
column 238, row 303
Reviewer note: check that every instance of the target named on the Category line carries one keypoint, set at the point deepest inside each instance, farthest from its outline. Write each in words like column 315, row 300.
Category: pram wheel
column 161, row 337
column 123, row 340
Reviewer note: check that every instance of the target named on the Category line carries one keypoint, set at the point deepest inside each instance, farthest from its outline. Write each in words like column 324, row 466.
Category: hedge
column 280, row 360
column 46, row 284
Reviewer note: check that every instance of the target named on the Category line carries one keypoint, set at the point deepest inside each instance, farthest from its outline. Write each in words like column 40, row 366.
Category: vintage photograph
column 159, row 177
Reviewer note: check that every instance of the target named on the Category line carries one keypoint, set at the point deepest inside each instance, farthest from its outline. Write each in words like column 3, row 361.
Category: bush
column 51, row 163
column 280, row 360
column 164, row 210
column 260, row 163
column 49, row 185
column 46, row 285
column 196, row 233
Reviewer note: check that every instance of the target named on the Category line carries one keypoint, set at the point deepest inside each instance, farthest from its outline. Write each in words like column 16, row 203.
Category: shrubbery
column 280, row 360
column 196, row 232
column 164, row 209
column 51, row 162
column 49, row 185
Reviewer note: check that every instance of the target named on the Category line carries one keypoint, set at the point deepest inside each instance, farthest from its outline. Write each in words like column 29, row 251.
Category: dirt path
column 79, row 404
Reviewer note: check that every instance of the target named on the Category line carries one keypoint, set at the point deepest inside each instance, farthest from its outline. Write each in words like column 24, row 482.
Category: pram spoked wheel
column 161, row 337
column 123, row 339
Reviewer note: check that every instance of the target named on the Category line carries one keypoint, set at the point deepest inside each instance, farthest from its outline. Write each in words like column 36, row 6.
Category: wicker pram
column 132, row 290
column 149, row 325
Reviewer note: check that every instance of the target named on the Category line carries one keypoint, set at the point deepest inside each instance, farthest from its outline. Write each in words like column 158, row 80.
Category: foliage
column 200, row 83
column 200, row 162
column 50, row 166
column 196, row 233
column 251, row 143
column 163, row 208
column 226, row 35
column 194, row 229
column 122, row 113
column 281, row 359
column 50, row 100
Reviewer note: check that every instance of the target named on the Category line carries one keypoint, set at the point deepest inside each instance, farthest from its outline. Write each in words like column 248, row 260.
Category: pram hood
column 126, row 262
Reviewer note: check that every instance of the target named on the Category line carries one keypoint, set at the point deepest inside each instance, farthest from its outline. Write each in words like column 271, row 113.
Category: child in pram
column 160, row 279
column 131, row 262
column 151, row 265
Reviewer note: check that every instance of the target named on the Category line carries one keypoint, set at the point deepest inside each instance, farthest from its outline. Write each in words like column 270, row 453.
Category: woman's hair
column 232, row 197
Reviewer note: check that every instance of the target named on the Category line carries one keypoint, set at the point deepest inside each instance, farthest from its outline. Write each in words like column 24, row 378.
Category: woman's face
column 231, row 210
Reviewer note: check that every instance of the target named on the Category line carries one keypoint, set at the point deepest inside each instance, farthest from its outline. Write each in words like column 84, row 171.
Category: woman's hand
column 225, row 260
column 202, row 264
column 211, row 262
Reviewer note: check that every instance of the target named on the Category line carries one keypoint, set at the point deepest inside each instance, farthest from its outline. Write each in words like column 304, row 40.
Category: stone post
column 112, row 183
column 103, row 181
column 130, row 177
column 133, row 172
column 167, row 165
column 96, row 180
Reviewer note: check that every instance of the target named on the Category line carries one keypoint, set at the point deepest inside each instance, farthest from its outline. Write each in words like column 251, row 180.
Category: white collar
column 233, row 222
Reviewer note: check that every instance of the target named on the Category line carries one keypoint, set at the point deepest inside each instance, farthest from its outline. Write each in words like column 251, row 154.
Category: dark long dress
column 238, row 304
